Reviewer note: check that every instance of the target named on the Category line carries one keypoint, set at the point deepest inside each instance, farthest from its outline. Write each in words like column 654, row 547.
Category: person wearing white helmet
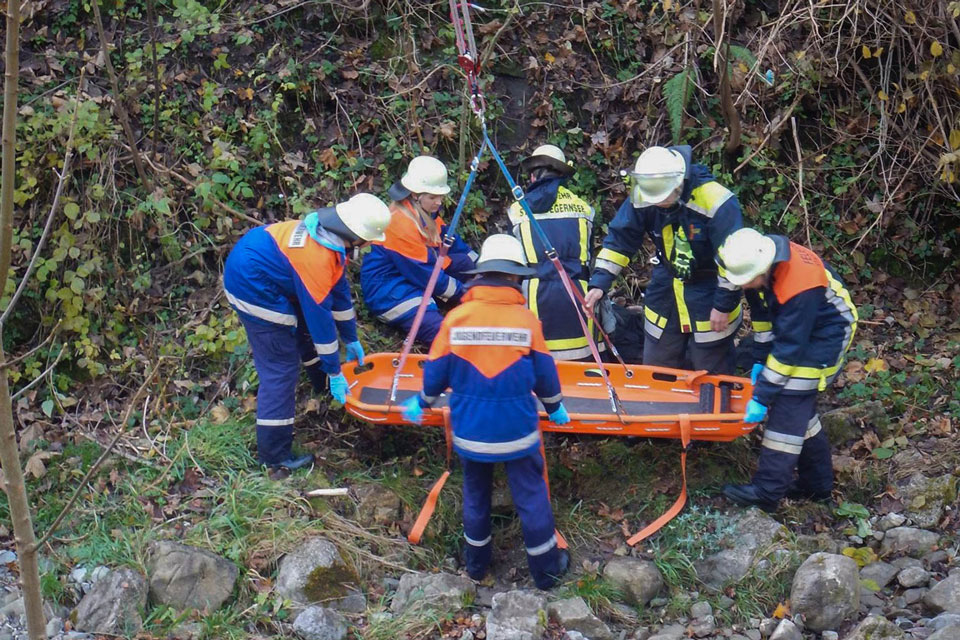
column 490, row 352
column 690, row 311
column 287, row 282
column 567, row 220
column 804, row 321
column 395, row 272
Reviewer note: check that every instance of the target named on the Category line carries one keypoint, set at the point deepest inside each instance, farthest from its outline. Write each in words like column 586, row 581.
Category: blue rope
column 474, row 165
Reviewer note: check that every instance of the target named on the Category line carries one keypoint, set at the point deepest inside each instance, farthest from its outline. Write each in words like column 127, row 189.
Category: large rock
column 826, row 590
column 947, row 633
column 639, row 580
column 847, row 423
column 880, row 573
column 189, row 578
column 753, row 536
column 315, row 573
column 876, row 628
column 944, row 620
column 908, row 540
column 573, row 614
column 517, row 615
column 320, row 623
column 944, row 597
column 115, row 604
column 440, row 591
column 925, row 498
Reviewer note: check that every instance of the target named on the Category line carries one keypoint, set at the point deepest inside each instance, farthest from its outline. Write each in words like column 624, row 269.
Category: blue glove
column 755, row 412
column 355, row 352
column 754, row 373
column 412, row 411
column 560, row 416
column 338, row 388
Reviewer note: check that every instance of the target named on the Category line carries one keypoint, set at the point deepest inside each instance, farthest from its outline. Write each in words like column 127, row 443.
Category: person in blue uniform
column 491, row 353
column 804, row 321
column 287, row 283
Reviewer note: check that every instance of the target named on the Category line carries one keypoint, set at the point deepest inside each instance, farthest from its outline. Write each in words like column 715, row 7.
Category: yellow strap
column 527, row 238
column 668, row 242
column 685, row 325
column 584, row 241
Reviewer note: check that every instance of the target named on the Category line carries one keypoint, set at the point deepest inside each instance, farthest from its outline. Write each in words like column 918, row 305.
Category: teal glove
column 560, row 416
column 412, row 411
column 755, row 412
column 755, row 373
column 355, row 352
column 338, row 388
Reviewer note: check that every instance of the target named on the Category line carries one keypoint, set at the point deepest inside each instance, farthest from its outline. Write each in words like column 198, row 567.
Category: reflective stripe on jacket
column 685, row 284
column 395, row 272
column 491, row 353
column 568, row 223
column 277, row 271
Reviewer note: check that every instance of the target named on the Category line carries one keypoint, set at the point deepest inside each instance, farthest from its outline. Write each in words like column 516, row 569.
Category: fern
column 677, row 91
column 742, row 54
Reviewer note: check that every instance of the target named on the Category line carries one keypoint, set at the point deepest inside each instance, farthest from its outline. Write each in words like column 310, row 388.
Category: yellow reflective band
column 654, row 317
column 762, row 326
column 685, row 324
column 584, row 241
column 533, row 284
column 515, row 213
column 612, row 256
column 709, row 197
column 808, row 373
column 527, row 237
column 668, row 242
column 563, row 344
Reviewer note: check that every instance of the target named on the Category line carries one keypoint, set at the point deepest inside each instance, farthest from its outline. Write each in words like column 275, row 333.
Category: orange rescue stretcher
column 655, row 402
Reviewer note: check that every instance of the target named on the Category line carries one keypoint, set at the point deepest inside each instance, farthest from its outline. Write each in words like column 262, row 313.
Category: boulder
column 786, row 630
column 880, row 573
column 947, row 633
column 876, row 628
column 944, row 620
column 908, row 540
column 185, row 577
column 573, row 614
column 639, row 580
column 847, row 423
column 753, row 535
column 316, row 573
column 377, row 505
column 440, row 591
column 114, row 605
column 944, row 597
column 517, row 615
column 320, row 623
column 826, row 590
column 925, row 498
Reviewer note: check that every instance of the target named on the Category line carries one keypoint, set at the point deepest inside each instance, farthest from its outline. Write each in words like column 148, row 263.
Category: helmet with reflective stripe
column 657, row 174
column 426, row 174
column 746, row 254
column 502, row 253
column 365, row 216
column 547, row 156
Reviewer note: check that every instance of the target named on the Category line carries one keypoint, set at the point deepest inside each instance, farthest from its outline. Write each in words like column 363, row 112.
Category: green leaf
column 882, row 453
column 852, row 509
column 677, row 91
column 71, row 210
column 220, row 178
column 870, row 585
column 47, row 407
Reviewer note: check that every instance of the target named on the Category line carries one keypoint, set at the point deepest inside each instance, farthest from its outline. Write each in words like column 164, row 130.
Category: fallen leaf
column 548, row 57
column 35, row 464
column 876, row 364
column 350, row 74
column 782, row 610
column 220, row 414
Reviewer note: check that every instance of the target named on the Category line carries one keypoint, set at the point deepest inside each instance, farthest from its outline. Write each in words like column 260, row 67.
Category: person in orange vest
column 491, row 353
column 804, row 321
column 286, row 281
column 395, row 272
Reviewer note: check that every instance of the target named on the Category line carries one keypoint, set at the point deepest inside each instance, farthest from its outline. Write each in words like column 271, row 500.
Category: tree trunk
column 9, row 451
column 722, row 41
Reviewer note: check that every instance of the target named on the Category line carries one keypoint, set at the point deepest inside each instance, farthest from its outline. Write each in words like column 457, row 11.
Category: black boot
column 295, row 462
column 746, row 495
column 796, row 492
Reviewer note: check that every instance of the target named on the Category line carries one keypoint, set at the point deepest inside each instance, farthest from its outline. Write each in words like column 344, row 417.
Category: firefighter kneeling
column 491, row 352
column 804, row 322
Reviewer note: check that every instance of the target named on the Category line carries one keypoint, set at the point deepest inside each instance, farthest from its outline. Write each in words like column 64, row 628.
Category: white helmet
column 547, row 156
column 657, row 173
column 365, row 216
column 426, row 174
column 502, row 253
column 746, row 254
